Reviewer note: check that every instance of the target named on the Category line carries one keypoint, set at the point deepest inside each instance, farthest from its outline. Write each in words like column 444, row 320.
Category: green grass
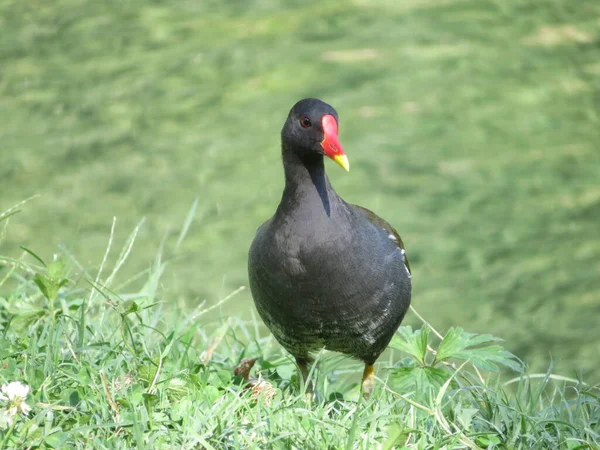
column 110, row 368
column 472, row 126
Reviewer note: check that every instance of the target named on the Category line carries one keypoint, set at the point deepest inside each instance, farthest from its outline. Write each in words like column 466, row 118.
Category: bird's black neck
column 306, row 183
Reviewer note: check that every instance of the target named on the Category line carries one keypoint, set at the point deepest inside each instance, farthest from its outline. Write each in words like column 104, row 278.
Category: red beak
column 331, row 144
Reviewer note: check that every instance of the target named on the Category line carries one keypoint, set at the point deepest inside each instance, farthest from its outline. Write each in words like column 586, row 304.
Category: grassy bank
column 471, row 126
column 114, row 368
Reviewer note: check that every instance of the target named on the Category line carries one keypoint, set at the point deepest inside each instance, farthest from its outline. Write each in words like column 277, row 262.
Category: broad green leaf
column 423, row 381
column 412, row 342
column 488, row 440
column 57, row 440
column 396, row 435
column 224, row 376
column 459, row 344
column 56, row 269
column 150, row 399
column 464, row 416
column 51, row 283
column 285, row 371
column 74, row 397
column 42, row 283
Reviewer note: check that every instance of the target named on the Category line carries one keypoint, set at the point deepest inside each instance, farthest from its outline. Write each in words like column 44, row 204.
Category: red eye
column 305, row 122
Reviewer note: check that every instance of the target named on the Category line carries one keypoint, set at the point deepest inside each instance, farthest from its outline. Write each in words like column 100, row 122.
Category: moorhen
column 323, row 272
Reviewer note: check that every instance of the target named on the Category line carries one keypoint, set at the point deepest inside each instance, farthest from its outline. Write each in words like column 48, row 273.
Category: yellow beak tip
column 342, row 160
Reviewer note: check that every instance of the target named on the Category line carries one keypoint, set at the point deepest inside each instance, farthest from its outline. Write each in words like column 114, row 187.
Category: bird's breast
column 329, row 266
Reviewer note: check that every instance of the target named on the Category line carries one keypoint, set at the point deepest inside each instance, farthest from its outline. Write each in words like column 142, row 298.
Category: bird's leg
column 304, row 370
column 368, row 381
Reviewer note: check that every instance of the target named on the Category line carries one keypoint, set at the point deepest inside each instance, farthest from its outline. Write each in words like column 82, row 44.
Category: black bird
column 323, row 272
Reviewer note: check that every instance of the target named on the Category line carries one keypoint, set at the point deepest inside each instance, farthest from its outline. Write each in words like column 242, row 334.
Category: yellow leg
column 368, row 381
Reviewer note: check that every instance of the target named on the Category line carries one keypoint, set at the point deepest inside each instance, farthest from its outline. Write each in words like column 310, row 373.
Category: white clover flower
column 14, row 394
column 6, row 420
column 15, row 389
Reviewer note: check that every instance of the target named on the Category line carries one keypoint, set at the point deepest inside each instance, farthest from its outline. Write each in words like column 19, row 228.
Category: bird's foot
column 368, row 381
column 312, row 397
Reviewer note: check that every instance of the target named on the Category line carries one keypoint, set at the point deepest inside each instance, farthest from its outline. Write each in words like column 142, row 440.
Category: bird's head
column 311, row 129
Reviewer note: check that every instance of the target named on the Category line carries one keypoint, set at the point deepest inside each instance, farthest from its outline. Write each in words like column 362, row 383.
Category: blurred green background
column 472, row 126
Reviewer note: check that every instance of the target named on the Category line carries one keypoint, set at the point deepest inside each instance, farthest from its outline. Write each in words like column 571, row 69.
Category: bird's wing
column 374, row 218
